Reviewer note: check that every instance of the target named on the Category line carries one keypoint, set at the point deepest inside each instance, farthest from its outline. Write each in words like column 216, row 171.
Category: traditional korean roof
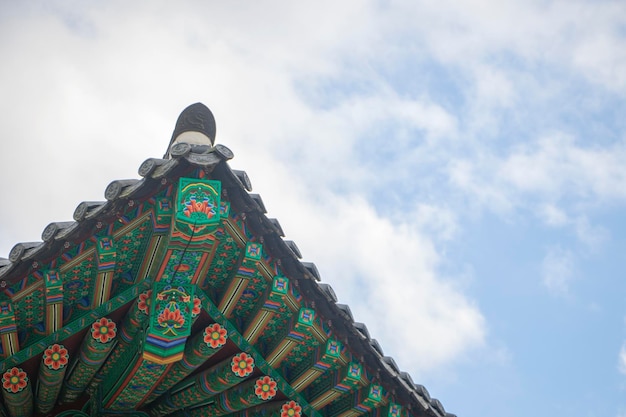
column 178, row 296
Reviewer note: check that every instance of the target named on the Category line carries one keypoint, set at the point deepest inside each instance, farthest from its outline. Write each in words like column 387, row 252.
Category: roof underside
column 178, row 297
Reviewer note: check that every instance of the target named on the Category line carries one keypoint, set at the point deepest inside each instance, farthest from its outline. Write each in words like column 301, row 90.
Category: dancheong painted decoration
column 178, row 297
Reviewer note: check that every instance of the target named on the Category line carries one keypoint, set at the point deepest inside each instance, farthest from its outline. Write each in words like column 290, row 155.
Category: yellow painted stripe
column 324, row 399
column 265, row 270
column 27, row 291
column 155, row 243
column 235, row 232
column 233, row 293
column 280, row 352
column 102, row 289
column 305, row 379
column 253, row 331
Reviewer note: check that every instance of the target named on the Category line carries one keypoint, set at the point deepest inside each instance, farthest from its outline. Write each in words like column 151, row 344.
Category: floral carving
column 242, row 364
column 55, row 357
column 215, row 336
column 265, row 388
column 14, row 380
column 291, row 409
column 103, row 330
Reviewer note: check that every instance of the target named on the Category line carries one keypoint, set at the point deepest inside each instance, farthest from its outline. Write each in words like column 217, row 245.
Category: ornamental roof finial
column 195, row 126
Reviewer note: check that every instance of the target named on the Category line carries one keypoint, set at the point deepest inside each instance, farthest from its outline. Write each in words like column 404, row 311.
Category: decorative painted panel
column 170, row 322
column 198, row 206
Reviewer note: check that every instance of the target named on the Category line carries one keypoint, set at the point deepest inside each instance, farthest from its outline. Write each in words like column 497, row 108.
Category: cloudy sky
column 455, row 169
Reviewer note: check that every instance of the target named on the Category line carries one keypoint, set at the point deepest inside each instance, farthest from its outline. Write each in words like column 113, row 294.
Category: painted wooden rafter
column 267, row 309
column 105, row 261
column 347, row 379
column 275, row 408
column 248, row 394
column 161, row 217
column 391, row 409
column 51, row 373
column 96, row 346
column 17, row 392
column 54, row 301
column 143, row 370
column 357, row 403
column 247, row 271
column 8, row 330
column 327, row 357
column 207, row 384
column 294, row 335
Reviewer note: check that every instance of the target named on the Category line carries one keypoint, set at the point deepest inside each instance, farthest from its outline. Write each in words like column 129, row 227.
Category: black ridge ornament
column 195, row 126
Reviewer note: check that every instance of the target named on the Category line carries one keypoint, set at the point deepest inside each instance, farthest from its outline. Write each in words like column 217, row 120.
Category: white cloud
column 473, row 178
column 553, row 215
column 557, row 270
column 440, row 222
column 555, row 165
column 594, row 236
column 545, row 176
column 600, row 55
column 584, row 36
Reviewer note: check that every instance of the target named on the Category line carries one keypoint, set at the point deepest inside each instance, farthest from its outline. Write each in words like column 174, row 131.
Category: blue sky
column 455, row 170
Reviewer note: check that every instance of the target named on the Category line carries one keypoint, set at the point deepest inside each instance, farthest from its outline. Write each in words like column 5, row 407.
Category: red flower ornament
column 171, row 319
column 55, row 357
column 144, row 301
column 14, row 380
column 291, row 409
column 215, row 336
column 197, row 306
column 242, row 364
column 206, row 206
column 265, row 388
column 103, row 330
